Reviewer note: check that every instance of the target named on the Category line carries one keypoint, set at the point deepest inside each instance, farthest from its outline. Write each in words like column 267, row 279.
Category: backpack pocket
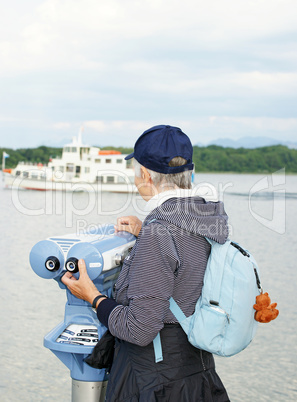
column 208, row 328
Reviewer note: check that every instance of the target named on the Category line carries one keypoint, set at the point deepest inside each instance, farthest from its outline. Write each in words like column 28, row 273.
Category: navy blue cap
column 155, row 148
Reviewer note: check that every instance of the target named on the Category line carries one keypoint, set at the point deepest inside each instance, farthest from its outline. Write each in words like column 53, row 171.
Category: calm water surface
column 263, row 217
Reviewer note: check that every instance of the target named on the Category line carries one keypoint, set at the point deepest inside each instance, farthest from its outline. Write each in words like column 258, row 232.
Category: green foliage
column 265, row 159
column 207, row 159
column 37, row 155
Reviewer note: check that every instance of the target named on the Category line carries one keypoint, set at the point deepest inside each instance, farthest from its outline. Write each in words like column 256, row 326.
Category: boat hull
column 22, row 183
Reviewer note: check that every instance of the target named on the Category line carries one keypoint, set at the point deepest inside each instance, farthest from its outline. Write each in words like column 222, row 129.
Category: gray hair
column 181, row 180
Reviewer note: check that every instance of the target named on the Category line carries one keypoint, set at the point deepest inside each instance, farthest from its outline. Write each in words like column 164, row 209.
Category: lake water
column 263, row 218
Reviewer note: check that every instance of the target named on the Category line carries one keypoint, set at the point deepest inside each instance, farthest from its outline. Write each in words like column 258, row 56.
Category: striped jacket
column 168, row 259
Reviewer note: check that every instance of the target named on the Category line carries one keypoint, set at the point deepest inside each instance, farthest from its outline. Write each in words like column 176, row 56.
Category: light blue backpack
column 223, row 322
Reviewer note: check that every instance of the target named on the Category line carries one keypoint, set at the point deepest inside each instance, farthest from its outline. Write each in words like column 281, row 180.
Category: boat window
column 17, row 173
column 61, row 169
column 69, row 168
column 34, row 176
column 119, row 160
column 107, row 160
column 110, row 179
column 77, row 169
column 87, row 170
column 67, row 149
column 99, row 179
column 129, row 164
column 73, row 149
column 25, row 174
column 97, row 160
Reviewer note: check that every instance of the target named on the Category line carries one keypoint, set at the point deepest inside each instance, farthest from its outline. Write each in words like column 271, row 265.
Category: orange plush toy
column 265, row 312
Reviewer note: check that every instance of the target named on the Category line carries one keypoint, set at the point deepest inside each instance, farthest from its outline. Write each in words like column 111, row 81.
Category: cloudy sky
column 216, row 68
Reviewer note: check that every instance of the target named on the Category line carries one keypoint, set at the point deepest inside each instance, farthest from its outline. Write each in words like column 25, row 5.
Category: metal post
column 88, row 391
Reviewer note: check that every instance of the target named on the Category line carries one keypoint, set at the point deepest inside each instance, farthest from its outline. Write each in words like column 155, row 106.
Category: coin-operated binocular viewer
column 74, row 338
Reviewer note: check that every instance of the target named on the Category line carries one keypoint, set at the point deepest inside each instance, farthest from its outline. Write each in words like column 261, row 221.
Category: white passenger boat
column 81, row 168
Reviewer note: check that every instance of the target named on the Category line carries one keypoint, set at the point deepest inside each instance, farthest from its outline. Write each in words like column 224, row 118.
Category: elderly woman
column 168, row 259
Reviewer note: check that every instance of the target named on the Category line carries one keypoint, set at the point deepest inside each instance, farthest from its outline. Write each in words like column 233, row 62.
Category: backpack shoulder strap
column 158, row 348
column 180, row 316
column 176, row 310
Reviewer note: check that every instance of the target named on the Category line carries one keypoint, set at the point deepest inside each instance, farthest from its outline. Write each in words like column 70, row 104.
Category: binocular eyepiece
column 71, row 265
column 52, row 264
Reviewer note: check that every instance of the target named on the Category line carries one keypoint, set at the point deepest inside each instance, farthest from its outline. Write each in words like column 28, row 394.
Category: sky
column 216, row 69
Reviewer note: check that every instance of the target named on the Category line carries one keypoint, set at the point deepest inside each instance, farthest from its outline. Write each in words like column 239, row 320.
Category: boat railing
column 38, row 164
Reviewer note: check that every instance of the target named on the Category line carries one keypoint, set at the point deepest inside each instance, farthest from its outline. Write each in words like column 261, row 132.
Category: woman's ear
column 145, row 175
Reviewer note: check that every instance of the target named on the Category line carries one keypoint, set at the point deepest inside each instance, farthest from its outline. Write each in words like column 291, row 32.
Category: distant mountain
column 251, row 142
column 55, row 143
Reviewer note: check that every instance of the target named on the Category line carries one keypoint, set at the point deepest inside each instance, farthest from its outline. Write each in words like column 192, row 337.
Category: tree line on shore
column 212, row 158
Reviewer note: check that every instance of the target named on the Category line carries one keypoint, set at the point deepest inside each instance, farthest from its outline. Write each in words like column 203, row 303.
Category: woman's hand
column 82, row 288
column 129, row 224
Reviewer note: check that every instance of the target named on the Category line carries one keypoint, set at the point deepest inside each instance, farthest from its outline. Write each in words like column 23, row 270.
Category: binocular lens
column 52, row 264
column 72, row 265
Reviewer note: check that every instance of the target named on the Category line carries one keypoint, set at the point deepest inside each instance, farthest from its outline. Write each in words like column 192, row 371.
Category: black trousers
column 186, row 374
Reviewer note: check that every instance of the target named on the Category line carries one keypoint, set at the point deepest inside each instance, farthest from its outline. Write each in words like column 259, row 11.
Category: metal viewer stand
column 74, row 338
